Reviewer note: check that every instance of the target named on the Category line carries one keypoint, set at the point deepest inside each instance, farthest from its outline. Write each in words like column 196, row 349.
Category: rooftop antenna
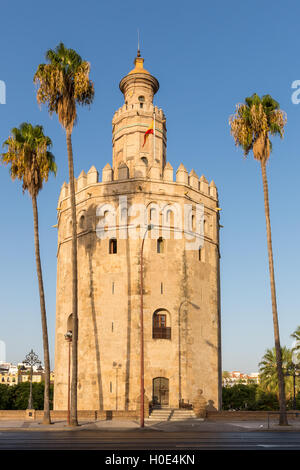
column 138, row 51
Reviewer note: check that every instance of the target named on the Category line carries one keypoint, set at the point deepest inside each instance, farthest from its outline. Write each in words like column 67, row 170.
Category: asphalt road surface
column 147, row 440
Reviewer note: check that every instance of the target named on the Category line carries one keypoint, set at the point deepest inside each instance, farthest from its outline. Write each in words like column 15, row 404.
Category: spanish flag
column 148, row 132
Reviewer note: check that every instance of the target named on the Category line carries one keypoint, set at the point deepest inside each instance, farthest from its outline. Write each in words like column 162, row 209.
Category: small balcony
column 161, row 332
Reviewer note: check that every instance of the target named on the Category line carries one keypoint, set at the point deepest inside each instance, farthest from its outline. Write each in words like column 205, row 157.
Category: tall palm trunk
column 46, row 419
column 73, row 411
column 281, row 387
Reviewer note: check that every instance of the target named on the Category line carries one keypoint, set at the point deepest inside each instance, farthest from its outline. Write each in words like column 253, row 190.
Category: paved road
column 147, row 440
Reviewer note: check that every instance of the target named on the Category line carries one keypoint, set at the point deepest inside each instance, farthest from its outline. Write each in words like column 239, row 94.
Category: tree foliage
column 253, row 123
column 64, row 82
column 29, row 157
column 268, row 371
column 16, row 397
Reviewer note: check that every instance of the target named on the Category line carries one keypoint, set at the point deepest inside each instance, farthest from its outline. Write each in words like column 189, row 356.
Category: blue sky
column 207, row 56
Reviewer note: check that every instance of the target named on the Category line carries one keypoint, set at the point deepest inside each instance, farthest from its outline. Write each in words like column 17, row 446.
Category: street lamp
column 292, row 373
column 149, row 227
column 31, row 360
column 68, row 338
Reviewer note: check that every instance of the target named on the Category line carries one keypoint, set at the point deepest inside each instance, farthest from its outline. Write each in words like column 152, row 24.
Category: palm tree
column 31, row 162
column 268, row 371
column 296, row 348
column 251, row 126
column 63, row 83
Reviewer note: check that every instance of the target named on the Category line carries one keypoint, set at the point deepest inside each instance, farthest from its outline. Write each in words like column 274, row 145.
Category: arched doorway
column 160, row 394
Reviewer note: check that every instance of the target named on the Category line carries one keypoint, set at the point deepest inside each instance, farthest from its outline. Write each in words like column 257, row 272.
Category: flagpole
column 154, row 135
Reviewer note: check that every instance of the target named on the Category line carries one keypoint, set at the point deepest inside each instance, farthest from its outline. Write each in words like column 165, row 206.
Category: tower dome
column 139, row 84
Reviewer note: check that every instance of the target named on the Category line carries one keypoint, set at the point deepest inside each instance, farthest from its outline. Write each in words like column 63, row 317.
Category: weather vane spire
column 138, row 50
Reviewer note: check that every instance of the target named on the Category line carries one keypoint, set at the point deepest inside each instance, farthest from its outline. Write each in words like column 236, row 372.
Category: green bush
column 266, row 401
column 239, row 397
column 16, row 397
column 5, row 397
column 249, row 397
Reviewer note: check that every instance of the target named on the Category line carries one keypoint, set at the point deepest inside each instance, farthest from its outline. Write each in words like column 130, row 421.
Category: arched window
column 153, row 214
column 141, row 100
column 70, row 323
column 70, row 228
column 193, row 222
column 112, row 246
column 82, row 223
column 160, row 245
column 124, row 213
column 160, row 321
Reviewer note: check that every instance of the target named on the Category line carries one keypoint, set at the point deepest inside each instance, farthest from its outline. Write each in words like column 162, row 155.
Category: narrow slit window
column 160, row 245
column 112, row 246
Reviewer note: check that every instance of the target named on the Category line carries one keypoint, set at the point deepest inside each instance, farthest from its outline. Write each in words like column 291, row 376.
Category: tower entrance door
column 160, row 395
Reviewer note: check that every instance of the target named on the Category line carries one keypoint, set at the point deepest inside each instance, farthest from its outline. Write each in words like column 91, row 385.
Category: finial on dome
column 138, row 49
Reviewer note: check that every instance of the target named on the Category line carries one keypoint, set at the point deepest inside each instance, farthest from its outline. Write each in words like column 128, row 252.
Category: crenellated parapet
column 147, row 110
column 141, row 171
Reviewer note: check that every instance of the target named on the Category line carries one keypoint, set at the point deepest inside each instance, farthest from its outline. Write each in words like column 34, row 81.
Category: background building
column 236, row 377
column 11, row 374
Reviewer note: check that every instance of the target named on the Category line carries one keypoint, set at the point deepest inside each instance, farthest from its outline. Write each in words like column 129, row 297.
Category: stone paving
column 191, row 425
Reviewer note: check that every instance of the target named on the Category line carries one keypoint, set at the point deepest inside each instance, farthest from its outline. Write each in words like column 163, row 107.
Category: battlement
column 147, row 108
column 152, row 174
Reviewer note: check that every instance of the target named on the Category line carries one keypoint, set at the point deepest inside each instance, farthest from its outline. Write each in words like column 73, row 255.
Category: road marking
column 199, row 446
column 233, row 445
column 278, row 445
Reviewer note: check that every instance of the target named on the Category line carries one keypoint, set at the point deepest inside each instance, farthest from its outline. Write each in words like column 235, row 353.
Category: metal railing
column 161, row 333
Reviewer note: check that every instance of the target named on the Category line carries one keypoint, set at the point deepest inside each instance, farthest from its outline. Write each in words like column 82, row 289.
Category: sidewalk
column 190, row 425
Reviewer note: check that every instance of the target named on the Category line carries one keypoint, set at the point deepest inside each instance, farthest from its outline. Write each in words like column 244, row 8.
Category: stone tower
column 181, row 297
column 133, row 119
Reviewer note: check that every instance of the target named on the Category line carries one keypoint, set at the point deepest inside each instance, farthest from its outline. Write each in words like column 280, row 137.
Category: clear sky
column 207, row 56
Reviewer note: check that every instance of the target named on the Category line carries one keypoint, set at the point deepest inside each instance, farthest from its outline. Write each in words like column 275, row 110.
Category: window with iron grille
column 160, row 329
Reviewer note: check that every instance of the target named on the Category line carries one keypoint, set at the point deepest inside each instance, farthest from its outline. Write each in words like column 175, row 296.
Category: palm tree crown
column 63, row 83
column 29, row 157
column 296, row 348
column 268, row 369
column 254, row 121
